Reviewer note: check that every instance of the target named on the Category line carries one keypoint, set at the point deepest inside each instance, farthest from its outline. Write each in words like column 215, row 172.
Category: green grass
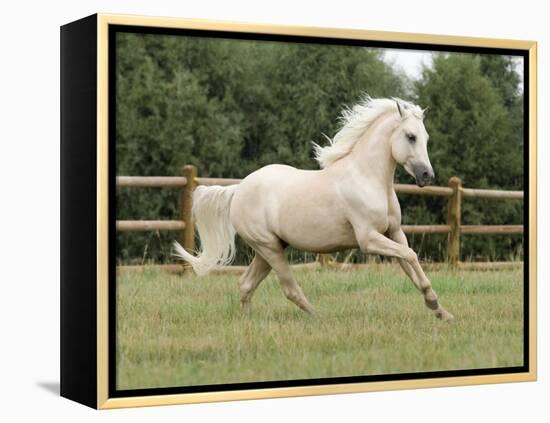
column 178, row 330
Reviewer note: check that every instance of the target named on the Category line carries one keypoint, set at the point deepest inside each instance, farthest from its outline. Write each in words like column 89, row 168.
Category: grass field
column 178, row 330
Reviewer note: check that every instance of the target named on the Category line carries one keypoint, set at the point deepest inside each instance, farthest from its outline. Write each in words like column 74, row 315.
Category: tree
column 501, row 71
column 473, row 137
column 169, row 114
column 229, row 107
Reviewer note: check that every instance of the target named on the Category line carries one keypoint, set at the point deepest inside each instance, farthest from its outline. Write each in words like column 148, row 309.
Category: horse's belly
column 317, row 230
column 322, row 241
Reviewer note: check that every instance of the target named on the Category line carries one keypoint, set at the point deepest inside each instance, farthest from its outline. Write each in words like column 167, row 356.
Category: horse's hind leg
column 274, row 255
column 251, row 278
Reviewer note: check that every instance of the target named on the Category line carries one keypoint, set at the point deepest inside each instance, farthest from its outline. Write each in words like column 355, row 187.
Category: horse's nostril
column 425, row 175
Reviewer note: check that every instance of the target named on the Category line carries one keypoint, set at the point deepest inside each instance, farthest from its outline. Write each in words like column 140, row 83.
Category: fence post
column 325, row 260
column 453, row 220
column 187, row 237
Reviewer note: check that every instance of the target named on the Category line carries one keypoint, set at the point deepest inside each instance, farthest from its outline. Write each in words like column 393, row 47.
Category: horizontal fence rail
column 491, row 193
column 151, row 181
column 454, row 229
column 149, row 225
column 426, row 229
column 491, row 229
column 416, row 190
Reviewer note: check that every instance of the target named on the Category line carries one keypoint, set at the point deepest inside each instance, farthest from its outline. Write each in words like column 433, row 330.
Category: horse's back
column 271, row 173
column 261, row 189
column 269, row 179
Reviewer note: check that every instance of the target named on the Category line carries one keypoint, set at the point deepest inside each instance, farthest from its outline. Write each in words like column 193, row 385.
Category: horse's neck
column 372, row 155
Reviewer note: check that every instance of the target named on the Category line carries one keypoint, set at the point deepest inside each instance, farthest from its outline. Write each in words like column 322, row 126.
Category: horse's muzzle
column 424, row 175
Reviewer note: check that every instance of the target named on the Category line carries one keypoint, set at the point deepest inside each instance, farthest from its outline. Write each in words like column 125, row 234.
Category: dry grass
column 184, row 330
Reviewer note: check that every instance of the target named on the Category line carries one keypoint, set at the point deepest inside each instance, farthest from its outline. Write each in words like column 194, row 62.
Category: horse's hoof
column 311, row 312
column 444, row 315
column 245, row 307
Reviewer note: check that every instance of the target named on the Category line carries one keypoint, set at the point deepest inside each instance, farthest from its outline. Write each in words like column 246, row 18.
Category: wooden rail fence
column 455, row 193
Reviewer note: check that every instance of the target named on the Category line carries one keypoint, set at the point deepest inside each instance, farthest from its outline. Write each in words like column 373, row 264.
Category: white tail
column 211, row 215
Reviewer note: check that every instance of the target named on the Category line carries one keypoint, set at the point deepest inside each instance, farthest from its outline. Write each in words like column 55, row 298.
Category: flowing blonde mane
column 355, row 122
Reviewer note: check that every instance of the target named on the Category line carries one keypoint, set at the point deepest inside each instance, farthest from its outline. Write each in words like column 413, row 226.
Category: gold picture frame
column 97, row 394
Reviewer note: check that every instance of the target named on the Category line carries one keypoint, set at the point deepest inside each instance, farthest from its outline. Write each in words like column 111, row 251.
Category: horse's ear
column 424, row 111
column 399, row 108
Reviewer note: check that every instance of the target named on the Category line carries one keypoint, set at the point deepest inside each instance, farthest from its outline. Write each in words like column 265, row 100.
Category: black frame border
column 78, row 211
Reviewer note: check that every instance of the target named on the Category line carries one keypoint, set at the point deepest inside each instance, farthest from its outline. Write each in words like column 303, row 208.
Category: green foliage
column 173, row 108
column 230, row 107
column 473, row 135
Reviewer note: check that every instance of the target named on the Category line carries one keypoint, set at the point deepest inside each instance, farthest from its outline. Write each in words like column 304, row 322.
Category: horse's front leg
column 376, row 243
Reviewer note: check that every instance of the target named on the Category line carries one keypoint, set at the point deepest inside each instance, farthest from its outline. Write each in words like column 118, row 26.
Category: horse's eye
column 411, row 137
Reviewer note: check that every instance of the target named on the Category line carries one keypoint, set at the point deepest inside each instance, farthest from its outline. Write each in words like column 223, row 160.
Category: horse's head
column 409, row 143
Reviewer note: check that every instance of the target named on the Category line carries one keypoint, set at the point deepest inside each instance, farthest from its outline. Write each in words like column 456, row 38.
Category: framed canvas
column 200, row 159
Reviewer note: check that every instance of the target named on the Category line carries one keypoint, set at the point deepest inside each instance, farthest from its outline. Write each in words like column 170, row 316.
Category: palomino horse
column 352, row 198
